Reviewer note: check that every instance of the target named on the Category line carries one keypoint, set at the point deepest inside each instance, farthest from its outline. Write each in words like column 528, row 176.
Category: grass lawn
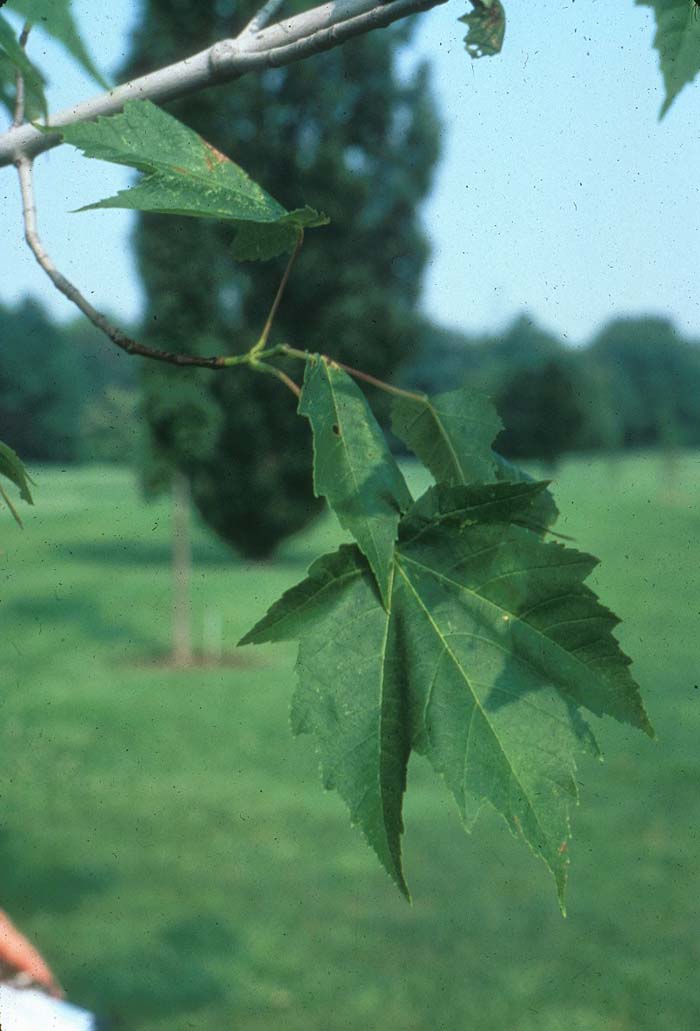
column 167, row 844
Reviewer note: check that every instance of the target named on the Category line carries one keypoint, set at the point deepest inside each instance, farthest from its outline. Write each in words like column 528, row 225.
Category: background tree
column 355, row 287
column 652, row 377
column 542, row 411
column 39, row 395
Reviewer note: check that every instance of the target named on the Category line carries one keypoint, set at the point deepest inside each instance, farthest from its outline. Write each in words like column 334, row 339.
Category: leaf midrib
column 346, row 451
column 169, row 172
column 380, row 735
column 443, row 433
column 477, row 703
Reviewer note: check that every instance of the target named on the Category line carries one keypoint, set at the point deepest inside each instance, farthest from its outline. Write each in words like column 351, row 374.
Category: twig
column 291, row 40
column 19, row 100
column 121, row 340
column 264, row 16
column 252, row 358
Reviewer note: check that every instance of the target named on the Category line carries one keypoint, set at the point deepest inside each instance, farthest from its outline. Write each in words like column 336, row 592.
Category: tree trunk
column 182, row 571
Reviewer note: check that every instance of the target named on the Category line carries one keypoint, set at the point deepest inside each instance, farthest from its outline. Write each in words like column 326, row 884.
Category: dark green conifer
column 344, row 132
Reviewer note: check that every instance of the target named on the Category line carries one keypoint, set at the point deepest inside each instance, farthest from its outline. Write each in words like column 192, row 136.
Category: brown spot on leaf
column 336, row 429
column 215, row 157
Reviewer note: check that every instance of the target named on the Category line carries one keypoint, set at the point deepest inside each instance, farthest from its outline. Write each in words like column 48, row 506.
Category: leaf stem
column 389, row 388
column 262, row 340
column 279, row 374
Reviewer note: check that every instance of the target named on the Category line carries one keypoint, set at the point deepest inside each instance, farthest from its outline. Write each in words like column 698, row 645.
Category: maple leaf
column 481, row 656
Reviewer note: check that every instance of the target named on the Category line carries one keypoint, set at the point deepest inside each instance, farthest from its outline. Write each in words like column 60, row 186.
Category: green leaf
column 532, row 595
column 353, row 467
column 452, row 434
column 11, row 467
column 16, row 57
column 487, row 647
column 543, row 512
column 677, row 40
column 55, row 17
column 487, row 28
column 185, row 175
column 349, row 695
column 463, row 505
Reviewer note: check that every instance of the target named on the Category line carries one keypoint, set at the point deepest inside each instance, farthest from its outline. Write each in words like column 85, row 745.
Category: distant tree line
column 635, row 384
column 65, row 396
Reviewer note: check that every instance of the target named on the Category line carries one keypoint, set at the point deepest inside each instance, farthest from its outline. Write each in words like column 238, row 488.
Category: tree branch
column 294, row 39
column 264, row 16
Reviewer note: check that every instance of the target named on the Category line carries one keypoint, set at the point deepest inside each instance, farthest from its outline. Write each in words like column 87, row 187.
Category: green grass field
column 167, row 844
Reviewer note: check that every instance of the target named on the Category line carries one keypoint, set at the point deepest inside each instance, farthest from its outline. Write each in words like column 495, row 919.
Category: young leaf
column 185, row 175
column 487, row 28
column 452, row 434
column 480, row 657
column 678, row 41
column 15, row 55
column 12, row 468
column 353, row 467
column 55, row 17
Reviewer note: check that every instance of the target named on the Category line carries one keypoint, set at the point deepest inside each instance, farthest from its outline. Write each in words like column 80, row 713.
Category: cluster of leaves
column 452, row 627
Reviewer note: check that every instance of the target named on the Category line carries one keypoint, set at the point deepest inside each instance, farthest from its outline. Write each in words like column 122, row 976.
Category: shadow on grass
column 32, row 884
column 157, row 555
column 169, row 976
column 144, row 553
column 82, row 612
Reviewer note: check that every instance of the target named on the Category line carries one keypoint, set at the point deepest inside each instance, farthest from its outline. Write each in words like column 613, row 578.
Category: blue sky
column 559, row 192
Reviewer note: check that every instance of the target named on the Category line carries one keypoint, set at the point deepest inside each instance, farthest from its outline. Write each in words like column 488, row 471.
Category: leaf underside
column 185, row 175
